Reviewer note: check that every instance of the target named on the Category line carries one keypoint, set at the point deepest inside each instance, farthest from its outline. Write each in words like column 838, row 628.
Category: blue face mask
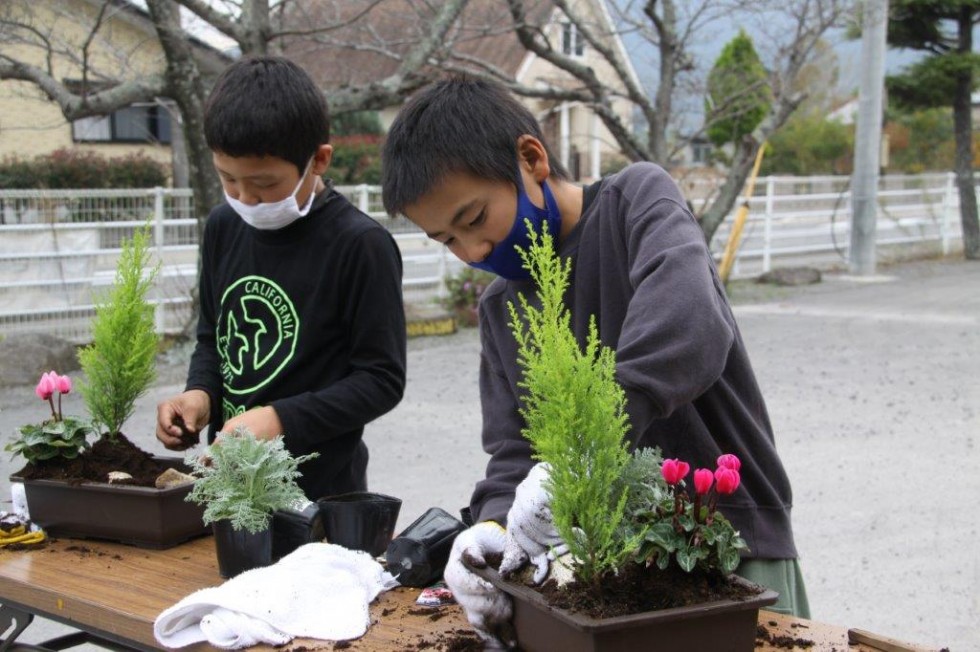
column 504, row 260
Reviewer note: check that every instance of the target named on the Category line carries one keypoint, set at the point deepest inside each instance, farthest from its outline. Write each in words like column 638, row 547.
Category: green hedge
column 70, row 168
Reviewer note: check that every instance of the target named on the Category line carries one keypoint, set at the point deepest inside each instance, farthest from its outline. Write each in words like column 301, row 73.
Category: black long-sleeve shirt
column 309, row 320
column 641, row 266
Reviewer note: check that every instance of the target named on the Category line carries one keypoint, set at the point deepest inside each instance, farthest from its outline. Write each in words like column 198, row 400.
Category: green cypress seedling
column 575, row 414
column 119, row 364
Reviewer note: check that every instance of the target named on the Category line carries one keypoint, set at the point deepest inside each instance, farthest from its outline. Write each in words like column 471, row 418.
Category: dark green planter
column 140, row 516
column 720, row 626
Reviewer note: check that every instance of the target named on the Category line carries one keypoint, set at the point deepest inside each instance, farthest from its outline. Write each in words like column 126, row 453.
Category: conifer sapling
column 575, row 415
column 119, row 364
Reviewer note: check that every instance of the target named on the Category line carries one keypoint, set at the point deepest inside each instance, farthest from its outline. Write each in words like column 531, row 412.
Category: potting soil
column 639, row 589
column 94, row 464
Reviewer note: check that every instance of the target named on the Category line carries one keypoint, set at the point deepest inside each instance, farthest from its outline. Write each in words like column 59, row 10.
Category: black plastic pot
column 292, row 528
column 240, row 550
column 418, row 556
column 728, row 625
column 360, row 520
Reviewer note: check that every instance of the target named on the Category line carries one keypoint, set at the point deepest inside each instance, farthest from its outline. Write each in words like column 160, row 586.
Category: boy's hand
column 487, row 608
column 263, row 422
column 181, row 418
column 531, row 533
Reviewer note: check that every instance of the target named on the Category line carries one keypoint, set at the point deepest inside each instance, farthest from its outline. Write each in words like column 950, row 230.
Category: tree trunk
column 659, row 116
column 186, row 88
column 739, row 171
column 963, row 132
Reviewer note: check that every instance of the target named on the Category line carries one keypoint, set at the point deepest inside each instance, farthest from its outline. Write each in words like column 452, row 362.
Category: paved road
column 874, row 394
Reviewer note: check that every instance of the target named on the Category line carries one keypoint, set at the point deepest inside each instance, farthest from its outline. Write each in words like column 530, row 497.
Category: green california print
column 257, row 332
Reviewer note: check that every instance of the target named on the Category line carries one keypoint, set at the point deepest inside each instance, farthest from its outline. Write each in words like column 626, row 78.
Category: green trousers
column 782, row 576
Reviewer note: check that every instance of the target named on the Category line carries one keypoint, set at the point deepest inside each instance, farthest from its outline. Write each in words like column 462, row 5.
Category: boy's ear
column 532, row 155
column 321, row 159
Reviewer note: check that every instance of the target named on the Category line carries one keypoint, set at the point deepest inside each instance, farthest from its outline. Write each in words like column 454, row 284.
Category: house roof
column 368, row 47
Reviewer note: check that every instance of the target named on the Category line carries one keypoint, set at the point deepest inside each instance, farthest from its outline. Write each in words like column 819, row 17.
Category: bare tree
column 791, row 30
column 106, row 86
column 433, row 37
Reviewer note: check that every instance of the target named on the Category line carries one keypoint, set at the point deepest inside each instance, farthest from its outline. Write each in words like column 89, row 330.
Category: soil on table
column 638, row 589
column 94, row 464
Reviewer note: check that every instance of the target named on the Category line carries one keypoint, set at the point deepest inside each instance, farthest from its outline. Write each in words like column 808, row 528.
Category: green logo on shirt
column 257, row 330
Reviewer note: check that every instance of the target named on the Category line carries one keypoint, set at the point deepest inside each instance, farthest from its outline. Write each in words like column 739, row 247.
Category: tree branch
column 75, row 107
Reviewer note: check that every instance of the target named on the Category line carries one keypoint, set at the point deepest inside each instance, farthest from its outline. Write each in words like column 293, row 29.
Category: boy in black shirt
column 301, row 331
column 469, row 164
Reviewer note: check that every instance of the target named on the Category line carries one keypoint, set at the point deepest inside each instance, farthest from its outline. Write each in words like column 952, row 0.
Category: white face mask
column 269, row 216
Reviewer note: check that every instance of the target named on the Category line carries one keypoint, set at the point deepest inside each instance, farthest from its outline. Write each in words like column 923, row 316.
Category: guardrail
column 58, row 249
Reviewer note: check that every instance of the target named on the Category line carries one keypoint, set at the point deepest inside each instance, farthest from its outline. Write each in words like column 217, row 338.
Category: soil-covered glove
column 531, row 533
column 487, row 607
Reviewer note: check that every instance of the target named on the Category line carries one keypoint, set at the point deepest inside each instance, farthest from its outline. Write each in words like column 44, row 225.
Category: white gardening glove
column 531, row 533
column 487, row 607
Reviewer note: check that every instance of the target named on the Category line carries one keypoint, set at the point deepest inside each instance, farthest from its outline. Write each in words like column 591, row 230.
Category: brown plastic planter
column 141, row 516
column 724, row 625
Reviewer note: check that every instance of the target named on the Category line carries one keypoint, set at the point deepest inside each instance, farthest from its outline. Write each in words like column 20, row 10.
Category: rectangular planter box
column 721, row 626
column 141, row 516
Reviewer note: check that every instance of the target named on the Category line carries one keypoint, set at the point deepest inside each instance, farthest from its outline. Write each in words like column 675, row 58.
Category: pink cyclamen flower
column 674, row 470
column 46, row 386
column 702, row 480
column 726, row 480
column 730, row 461
column 64, row 384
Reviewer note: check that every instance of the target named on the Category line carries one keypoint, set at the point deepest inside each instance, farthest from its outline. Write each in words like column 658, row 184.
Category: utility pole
column 867, row 146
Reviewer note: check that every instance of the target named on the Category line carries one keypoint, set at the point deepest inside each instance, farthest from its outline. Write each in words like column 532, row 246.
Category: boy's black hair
column 266, row 106
column 459, row 124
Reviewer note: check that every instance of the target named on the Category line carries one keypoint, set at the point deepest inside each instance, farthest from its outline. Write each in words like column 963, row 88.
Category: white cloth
column 318, row 591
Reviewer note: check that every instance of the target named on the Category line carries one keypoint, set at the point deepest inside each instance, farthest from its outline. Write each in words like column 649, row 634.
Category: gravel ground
column 874, row 395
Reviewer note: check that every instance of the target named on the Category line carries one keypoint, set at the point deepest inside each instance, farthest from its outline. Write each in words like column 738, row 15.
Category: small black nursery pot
column 418, row 556
column 360, row 520
column 240, row 550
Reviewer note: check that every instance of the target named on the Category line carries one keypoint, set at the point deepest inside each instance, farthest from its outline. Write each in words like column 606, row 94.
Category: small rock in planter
column 120, row 477
column 791, row 276
column 172, row 478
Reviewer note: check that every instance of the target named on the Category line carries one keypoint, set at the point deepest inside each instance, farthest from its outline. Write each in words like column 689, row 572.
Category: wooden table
column 115, row 592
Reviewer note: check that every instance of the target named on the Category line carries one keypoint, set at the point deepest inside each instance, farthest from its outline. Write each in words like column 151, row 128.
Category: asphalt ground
column 874, row 393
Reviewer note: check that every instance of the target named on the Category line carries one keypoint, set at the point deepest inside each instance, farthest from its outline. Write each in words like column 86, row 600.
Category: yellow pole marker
column 728, row 257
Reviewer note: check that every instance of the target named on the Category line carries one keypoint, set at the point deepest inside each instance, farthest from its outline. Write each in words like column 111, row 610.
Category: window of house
column 138, row 123
column 701, row 151
column 572, row 42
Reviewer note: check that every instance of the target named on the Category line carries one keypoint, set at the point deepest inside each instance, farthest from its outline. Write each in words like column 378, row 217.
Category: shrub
column 464, row 291
column 74, row 168
column 575, row 415
column 119, row 364
column 244, row 480
column 356, row 159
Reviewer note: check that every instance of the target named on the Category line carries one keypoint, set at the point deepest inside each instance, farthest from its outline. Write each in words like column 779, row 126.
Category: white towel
column 319, row 591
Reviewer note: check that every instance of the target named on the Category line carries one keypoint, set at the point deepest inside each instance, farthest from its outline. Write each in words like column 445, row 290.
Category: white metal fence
column 58, row 249
column 807, row 221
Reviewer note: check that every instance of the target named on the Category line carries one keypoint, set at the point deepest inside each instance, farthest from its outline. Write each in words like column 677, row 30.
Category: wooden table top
column 117, row 591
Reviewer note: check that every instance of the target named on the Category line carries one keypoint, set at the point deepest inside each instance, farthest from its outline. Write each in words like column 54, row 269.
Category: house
column 845, row 111
column 125, row 46
column 484, row 40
